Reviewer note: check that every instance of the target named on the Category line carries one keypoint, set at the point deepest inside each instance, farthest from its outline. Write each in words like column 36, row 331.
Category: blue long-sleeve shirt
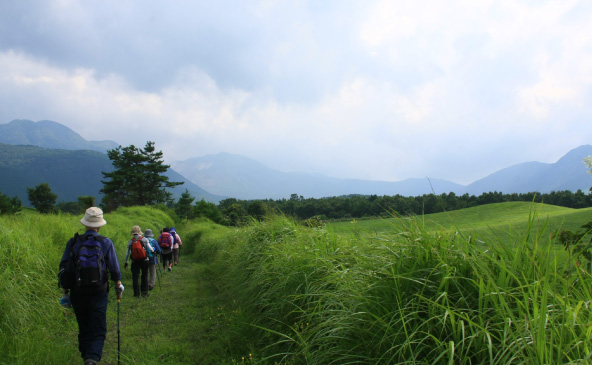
column 108, row 253
column 157, row 250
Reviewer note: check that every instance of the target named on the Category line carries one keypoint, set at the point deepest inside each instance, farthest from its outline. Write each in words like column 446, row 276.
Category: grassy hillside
column 492, row 220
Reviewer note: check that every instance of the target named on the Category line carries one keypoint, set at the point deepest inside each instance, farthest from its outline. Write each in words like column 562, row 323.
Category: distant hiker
column 176, row 246
column 152, row 259
column 166, row 242
column 88, row 261
column 138, row 248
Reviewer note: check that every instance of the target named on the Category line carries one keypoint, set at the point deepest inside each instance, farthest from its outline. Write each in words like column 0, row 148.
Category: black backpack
column 85, row 270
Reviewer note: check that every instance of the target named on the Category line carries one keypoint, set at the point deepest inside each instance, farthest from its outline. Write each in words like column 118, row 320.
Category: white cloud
column 374, row 90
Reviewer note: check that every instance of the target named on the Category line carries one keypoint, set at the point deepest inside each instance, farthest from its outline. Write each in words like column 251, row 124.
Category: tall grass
column 410, row 296
column 33, row 327
column 280, row 292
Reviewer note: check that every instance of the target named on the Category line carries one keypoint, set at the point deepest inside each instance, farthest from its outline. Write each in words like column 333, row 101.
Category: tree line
column 360, row 206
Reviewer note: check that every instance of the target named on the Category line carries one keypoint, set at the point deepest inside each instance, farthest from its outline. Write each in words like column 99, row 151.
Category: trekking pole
column 158, row 276
column 118, row 336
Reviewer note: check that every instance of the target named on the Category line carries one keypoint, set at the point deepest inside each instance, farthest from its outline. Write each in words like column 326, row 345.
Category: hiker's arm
column 112, row 262
column 129, row 251
column 178, row 239
column 66, row 254
column 65, row 258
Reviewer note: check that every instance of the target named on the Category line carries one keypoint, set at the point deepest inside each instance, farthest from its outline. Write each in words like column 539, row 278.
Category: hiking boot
column 170, row 268
column 90, row 362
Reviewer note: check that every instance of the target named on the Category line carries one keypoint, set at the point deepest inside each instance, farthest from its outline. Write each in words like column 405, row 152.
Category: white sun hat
column 93, row 218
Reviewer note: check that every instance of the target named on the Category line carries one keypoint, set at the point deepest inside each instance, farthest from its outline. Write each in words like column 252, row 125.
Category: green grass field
column 492, row 220
column 400, row 290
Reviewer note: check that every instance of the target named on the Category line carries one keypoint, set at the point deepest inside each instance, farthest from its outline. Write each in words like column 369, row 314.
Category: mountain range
column 241, row 177
column 244, row 178
column 46, row 151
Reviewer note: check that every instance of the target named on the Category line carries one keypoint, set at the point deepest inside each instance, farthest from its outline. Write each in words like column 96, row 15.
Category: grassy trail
column 177, row 324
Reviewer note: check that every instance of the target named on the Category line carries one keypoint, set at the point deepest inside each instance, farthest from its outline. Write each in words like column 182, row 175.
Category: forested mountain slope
column 69, row 173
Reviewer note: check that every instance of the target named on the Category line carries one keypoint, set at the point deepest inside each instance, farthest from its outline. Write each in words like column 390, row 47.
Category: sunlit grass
column 410, row 295
column 485, row 220
column 433, row 289
column 34, row 328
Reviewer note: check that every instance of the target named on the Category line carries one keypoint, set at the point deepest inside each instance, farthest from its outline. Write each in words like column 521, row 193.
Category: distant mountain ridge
column 48, row 134
column 244, row 178
column 568, row 173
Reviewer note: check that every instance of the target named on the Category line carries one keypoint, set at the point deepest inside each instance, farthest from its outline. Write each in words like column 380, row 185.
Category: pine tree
column 183, row 206
column 138, row 178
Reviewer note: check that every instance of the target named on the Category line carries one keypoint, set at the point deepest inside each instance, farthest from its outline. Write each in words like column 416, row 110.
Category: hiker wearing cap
column 166, row 242
column 87, row 263
column 153, row 259
column 176, row 246
column 138, row 249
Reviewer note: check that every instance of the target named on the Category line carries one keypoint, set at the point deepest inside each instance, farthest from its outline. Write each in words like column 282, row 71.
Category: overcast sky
column 377, row 90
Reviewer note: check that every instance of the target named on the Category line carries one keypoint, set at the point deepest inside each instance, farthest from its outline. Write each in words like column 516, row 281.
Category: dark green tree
column 138, row 178
column 234, row 214
column 9, row 205
column 86, row 201
column 42, row 198
column 183, row 207
column 257, row 209
column 208, row 210
column 68, row 207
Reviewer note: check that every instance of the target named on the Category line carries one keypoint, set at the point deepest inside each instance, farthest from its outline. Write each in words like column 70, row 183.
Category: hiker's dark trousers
column 140, row 268
column 91, row 314
column 167, row 259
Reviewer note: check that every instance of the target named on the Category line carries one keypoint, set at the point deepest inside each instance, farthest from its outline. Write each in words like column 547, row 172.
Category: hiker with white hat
column 88, row 261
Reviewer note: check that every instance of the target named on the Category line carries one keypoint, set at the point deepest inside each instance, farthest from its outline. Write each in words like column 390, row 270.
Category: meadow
column 483, row 285
column 495, row 219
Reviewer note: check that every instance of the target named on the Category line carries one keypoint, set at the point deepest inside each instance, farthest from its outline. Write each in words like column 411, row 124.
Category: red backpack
column 165, row 241
column 138, row 249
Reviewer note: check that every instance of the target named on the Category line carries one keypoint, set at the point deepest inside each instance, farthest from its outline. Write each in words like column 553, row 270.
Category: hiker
column 152, row 259
column 166, row 245
column 177, row 245
column 88, row 261
column 138, row 248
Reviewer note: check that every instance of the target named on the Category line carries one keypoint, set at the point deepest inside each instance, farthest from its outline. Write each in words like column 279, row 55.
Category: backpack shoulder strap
column 73, row 243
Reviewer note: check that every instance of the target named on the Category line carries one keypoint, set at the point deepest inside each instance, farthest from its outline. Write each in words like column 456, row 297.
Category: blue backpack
column 85, row 270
